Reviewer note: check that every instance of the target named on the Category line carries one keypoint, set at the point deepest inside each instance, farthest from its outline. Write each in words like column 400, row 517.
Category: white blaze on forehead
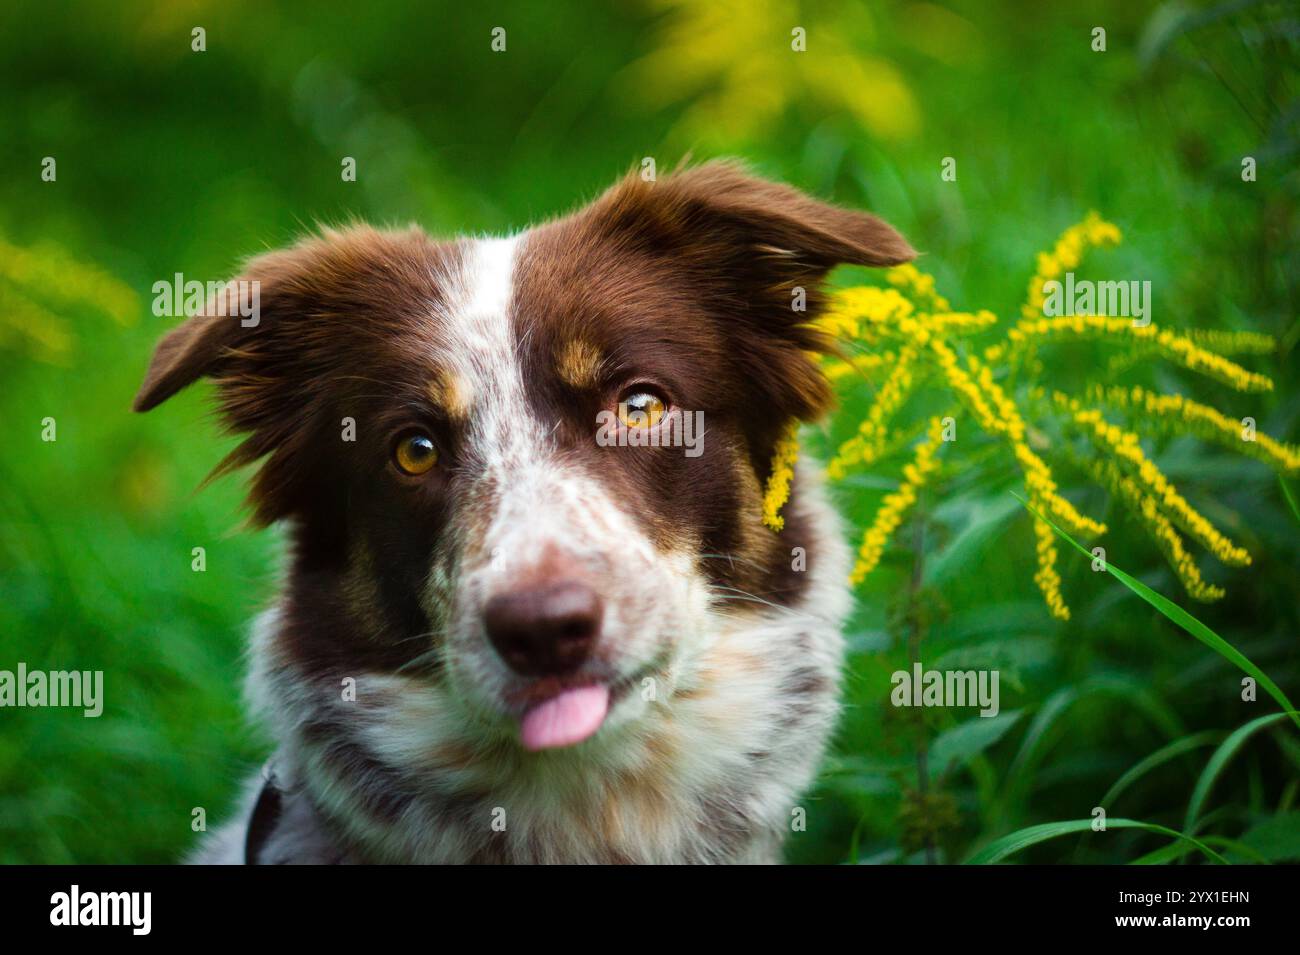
column 479, row 342
column 541, row 501
column 488, row 276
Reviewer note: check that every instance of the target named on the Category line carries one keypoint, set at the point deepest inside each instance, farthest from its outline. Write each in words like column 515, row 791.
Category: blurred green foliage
column 172, row 161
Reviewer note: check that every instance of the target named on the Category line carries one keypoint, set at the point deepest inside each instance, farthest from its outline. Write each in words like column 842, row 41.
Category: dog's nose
column 545, row 630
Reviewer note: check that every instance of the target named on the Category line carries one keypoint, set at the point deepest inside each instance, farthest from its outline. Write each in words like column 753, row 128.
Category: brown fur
column 684, row 284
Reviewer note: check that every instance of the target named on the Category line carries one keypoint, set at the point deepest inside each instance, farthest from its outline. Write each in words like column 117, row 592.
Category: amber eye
column 415, row 454
column 641, row 408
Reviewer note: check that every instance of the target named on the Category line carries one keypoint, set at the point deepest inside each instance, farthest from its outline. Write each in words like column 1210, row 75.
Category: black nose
column 546, row 630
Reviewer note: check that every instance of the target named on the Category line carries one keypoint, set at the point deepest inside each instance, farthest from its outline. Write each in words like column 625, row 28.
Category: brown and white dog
column 501, row 639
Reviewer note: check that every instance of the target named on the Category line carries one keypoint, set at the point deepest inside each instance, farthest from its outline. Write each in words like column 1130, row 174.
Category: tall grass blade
column 1161, row 756
column 1222, row 756
column 1012, row 843
column 1290, row 498
column 1181, row 617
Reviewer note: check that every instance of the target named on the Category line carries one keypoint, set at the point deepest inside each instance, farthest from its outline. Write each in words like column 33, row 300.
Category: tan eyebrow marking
column 578, row 363
column 451, row 393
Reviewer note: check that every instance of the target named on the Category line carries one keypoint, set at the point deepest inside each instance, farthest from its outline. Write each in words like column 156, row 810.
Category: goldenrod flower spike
column 865, row 313
column 896, row 504
column 1176, row 347
column 1067, row 254
column 1174, row 414
column 918, row 285
column 1047, row 579
column 62, row 278
column 998, row 415
column 836, row 368
column 44, row 332
column 39, row 285
column 778, row 482
column 866, row 445
column 1231, row 342
column 1125, row 448
column 1159, row 527
column 960, row 321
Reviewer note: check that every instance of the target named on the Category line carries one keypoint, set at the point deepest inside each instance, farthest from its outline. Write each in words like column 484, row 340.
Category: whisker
column 742, row 595
column 429, row 656
column 732, row 558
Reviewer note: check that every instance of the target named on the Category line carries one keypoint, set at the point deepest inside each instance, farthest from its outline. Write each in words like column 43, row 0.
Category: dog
column 500, row 639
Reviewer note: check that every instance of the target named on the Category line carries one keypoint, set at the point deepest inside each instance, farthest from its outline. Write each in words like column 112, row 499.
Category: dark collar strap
column 266, row 813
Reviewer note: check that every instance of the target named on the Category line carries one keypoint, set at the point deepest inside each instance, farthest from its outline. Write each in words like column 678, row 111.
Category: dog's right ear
column 299, row 292
column 278, row 369
column 230, row 336
column 285, row 289
column 190, row 351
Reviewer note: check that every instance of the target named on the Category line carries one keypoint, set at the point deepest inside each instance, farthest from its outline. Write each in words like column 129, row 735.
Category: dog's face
column 525, row 473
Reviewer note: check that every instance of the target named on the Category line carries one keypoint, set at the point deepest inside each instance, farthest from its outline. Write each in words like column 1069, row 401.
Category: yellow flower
column 960, row 321
column 998, row 415
column 1047, row 579
column 866, row 445
column 1176, row 347
column 1066, row 255
column 918, row 285
column 1162, row 531
column 907, row 335
column 38, row 287
column 1125, row 448
column 836, row 368
column 1175, row 414
column 1212, row 339
column 896, row 504
column 855, row 312
column 1232, row 342
column 778, row 483
column 66, row 280
column 23, row 320
column 739, row 65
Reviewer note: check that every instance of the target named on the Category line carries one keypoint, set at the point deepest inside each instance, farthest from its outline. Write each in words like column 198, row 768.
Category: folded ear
column 304, row 294
column 277, row 370
column 816, row 234
column 212, row 342
column 759, row 253
column 721, row 204
column 191, row 350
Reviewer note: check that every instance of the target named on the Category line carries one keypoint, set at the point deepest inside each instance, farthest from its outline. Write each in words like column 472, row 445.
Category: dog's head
column 527, row 470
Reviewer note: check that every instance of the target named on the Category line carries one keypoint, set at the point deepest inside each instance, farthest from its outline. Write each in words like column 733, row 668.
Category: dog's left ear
column 782, row 221
column 757, row 253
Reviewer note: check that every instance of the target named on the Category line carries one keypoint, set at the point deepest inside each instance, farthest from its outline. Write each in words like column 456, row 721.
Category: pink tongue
column 565, row 719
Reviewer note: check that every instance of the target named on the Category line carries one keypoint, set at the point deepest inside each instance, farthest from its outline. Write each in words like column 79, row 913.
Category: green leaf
column 983, row 520
column 1290, row 498
column 1166, row 854
column 1276, row 839
column 1161, row 756
column 1222, row 756
column 1181, row 617
column 1010, row 844
column 1037, row 739
column 965, row 741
